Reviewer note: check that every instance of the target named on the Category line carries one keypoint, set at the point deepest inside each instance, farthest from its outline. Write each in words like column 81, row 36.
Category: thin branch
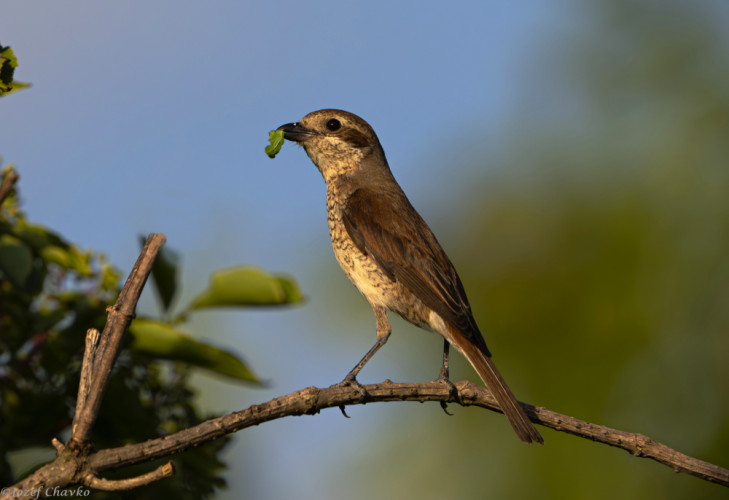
column 311, row 400
column 161, row 472
column 7, row 185
column 118, row 318
column 87, row 372
column 58, row 445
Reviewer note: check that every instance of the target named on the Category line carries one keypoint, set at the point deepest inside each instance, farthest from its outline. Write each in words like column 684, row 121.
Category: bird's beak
column 296, row 132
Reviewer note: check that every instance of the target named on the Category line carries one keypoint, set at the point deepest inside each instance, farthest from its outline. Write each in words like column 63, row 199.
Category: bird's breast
column 367, row 276
column 359, row 267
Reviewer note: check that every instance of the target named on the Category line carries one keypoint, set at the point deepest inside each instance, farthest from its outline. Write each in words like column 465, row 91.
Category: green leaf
column 56, row 255
column 276, row 140
column 14, row 87
column 37, row 236
column 16, row 259
column 165, row 272
column 246, row 286
column 80, row 261
column 8, row 54
column 160, row 340
column 69, row 258
column 52, row 248
column 8, row 63
column 108, row 276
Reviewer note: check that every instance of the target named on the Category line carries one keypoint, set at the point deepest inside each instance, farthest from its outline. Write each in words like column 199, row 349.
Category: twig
column 7, row 185
column 87, row 371
column 58, row 445
column 118, row 318
column 311, row 400
column 161, row 472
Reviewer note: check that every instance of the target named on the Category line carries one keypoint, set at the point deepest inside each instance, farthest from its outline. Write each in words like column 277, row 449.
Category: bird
column 390, row 254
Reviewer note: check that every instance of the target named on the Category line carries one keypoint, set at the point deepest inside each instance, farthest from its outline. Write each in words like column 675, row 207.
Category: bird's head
column 339, row 143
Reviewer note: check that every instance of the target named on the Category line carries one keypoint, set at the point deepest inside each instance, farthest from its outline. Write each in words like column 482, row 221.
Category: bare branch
column 74, row 469
column 118, row 318
column 7, row 185
column 161, row 472
column 87, row 371
column 58, row 445
column 311, row 400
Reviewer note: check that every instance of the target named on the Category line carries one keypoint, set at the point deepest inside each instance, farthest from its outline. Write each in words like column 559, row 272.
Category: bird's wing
column 387, row 227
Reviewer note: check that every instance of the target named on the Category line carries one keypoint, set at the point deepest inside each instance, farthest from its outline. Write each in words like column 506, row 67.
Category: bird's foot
column 452, row 391
column 350, row 381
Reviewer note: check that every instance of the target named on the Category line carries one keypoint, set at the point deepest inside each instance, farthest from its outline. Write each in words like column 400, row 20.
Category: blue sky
column 153, row 117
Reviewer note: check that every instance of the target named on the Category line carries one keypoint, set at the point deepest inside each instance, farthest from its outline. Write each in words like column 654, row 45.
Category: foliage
column 8, row 63
column 51, row 292
column 238, row 286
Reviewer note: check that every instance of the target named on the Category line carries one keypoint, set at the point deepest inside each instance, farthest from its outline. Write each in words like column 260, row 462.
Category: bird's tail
column 496, row 384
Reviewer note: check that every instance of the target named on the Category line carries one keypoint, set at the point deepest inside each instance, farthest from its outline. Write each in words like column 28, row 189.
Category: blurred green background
column 584, row 200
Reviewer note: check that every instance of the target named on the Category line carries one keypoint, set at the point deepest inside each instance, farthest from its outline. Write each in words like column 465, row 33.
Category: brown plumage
column 388, row 251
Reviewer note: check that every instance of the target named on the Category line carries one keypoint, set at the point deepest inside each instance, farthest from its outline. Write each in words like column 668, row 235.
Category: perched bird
column 388, row 251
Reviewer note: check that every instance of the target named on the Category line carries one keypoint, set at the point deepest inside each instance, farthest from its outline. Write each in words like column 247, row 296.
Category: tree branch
column 70, row 466
column 161, row 472
column 11, row 177
column 311, row 400
column 75, row 464
column 87, row 373
column 104, row 355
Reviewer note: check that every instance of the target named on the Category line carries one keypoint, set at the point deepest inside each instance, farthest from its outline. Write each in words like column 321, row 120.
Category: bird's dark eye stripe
column 334, row 124
column 354, row 138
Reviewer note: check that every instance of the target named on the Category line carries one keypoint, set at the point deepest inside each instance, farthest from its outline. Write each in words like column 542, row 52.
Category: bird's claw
column 451, row 391
column 444, row 405
column 341, row 408
column 351, row 382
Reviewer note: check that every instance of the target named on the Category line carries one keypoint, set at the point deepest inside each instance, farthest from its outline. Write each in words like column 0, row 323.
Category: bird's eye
column 334, row 124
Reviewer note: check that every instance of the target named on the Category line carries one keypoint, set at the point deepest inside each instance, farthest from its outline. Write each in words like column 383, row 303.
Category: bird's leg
column 383, row 333
column 444, row 376
column 444, row 371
